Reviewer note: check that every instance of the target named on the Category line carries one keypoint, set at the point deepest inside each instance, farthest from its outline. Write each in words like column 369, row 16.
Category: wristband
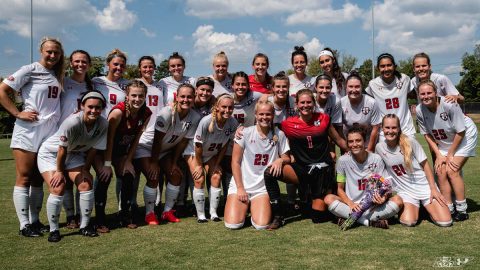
column 107, row 163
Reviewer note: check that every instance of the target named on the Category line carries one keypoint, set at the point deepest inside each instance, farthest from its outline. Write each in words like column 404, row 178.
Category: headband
column 326, row 52
column 205, row 81
column 93, row 94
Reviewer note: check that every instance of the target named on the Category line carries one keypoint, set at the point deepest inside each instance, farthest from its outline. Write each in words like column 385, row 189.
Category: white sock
column 451, row 208
column 68, row 203
column 20, row 200
column 87, row 200
column 118, row 190
column 36, row 201
column 461, row 206
column 54, row 207
column 214, row 199
column 149, row 197
column 158, row 199
column 339, row 209
column 385, row 211
column 199, row 201
column 171, row 195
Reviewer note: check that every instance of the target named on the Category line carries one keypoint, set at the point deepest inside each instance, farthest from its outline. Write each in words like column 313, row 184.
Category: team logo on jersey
column 160, row 124
column 307, row 84
column 271, row 142
column 444, row 116
column 316, row 123
column 365, row 110
column 11, row 78
column 63, row 138
column 372, row 166
column 249, row 102
column 291, row 112
column 228, row 132
column 399, row 85
column 228, row 85
column 198, row 137
column 187, row 125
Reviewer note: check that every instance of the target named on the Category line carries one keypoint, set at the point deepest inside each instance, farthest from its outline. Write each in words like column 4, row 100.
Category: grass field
column 299, row 245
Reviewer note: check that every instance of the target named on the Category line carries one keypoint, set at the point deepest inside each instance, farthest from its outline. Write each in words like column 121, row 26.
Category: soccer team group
column 233, row 133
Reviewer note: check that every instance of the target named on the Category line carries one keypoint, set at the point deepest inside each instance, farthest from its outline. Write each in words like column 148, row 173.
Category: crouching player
column 353, row 170
column 71, row 150
column 262, row 147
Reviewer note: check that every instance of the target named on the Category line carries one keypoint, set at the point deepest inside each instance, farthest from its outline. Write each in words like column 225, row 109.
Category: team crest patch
column 372, row 166
column 444, row 116
column 63, row 138
column 198, row 137
column 399, row 85
column 228, row 132
column 160, row 124
column 365, row 110
column 249, row 102
column 11, row 78
column 271, row 142
column 316, row 123
column 187, row 125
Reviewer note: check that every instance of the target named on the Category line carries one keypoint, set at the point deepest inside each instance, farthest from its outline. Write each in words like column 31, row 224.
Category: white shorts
column 145, row 151
column 252, row 194
column 47, row 161
column 30, row 138
column 415, row 201
column 469, row 143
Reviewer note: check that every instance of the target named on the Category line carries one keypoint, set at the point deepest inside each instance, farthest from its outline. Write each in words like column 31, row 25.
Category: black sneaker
column 277, row 222
column 54, row 236
column 216, row 219
column 458, row 216
column 88, row 231
column 203, row 220
column 381, row 223
column 28, row 231
column 40, row 227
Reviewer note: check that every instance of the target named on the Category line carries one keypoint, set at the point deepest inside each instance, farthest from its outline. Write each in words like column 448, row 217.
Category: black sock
column 273, row 189
column 100, row 201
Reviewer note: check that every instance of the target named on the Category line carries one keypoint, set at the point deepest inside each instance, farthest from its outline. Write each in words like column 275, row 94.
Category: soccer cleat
column 458, row 216
column 54, row 236
column 28, row 231
column 88, row 231
column 170, row 216
column 151, row 219
column 340, row 221
column 203, row 220
column 40, row 227
column 72, row 223
column 381, row 223
column 102, row 229
column 277, row 222
column 215, row 219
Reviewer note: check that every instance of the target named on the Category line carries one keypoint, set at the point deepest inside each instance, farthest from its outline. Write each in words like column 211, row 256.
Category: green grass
column 187, row 244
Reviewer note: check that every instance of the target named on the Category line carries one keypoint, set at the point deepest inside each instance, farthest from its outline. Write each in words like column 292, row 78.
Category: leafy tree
column 313, row 68
column 348, row 62
column 365, row 71
column 406, row 67
column 469, row 85
column 131, row 72
column 162, row 70
column 96, row 69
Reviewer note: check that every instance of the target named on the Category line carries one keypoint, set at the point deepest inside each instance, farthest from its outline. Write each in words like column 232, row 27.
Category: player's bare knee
column 397, row 200
column 329, row 199
column 408, row 223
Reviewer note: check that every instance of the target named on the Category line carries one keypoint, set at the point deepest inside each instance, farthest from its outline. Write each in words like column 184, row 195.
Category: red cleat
column 169, row 216
column 151, row 219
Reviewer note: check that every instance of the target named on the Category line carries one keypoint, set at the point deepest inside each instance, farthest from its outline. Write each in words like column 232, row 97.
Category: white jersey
column 70, row 99
column 204, row 110
column 114, row 92
column 154, row 100
column 259, row 152
column 244, row 110
column 335, row 90
column 40, row 92
column 73, row 135
column 297, row 85
column 412, row 183
column 333, row 108
column 170, row 86
column 223, row 87
column 282, row 113
column 182, row 128
column 213, row 142
column 357, row 175
column 392, row 99
column 365, row 114
column 444, row 85
column 443, row 124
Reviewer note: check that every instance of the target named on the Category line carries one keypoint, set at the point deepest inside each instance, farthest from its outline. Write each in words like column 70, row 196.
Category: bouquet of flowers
column 375, row 184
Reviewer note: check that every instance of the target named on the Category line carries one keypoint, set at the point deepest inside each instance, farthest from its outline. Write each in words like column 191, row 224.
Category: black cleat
column 216, row 219
column 458, row 216
column 28, row 231
column 40, row 227
column 381, row 223
column 204, row 220
column 277, row 222
column 88, row 231
column 54, row 236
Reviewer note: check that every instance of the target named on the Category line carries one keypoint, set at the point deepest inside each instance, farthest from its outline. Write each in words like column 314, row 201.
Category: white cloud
column 236, row 46
column 270, row 35
column 434, row 26
column 210, row 9
column 9, row 51
column 177, row 37
column 159, row 57
column 313, row 47
column 296, row 36
column 148, row 33
column 452, row 69
column 325, row 15
column 115, row 17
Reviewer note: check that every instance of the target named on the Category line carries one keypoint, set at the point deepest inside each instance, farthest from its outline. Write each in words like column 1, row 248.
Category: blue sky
column 198, row 29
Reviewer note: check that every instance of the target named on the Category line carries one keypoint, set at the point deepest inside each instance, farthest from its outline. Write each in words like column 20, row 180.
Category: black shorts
column 320, row 182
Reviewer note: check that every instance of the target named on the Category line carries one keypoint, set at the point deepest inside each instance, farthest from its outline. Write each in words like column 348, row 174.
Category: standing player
column 308, row 134
column 353, row 171
column 245, row 99
column 299, row 79
column 329, row 64
column 159, row 151
column 262, row 148
column 126, row 122
column 261, row 81
column 452, row 137
column 69, row 154
column 205, row 153
column 223, row 81
column 360, row 110
column 413, row 181
column 423, row 72
column 390, row 91
column 39, row 85
column 170, row 84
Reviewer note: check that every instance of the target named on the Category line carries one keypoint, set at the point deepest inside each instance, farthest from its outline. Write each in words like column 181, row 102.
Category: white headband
column 94, row 94
column 325, row 52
